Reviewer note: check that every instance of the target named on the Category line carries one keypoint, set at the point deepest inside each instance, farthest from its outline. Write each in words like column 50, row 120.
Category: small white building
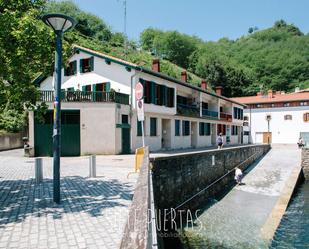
column 99, row 114
column 277, row 117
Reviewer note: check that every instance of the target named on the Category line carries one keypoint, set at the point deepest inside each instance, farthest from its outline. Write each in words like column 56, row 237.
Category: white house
column 277, row 117
column 99, row 114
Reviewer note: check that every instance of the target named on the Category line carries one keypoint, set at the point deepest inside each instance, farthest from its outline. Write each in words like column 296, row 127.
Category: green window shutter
column 81, row 65
column 163, row 95
column 177, row 127
column 153, row 92
column 75, row 67
column 153, row 126
column 91, row 64
column 139, row 128
column 171, row 97
column 108, row 86
column 201, row 128
column 207, row 129
column 94, row 89
column 83, row 88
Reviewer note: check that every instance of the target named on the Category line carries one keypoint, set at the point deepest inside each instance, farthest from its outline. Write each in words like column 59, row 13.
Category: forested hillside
column 276, row 58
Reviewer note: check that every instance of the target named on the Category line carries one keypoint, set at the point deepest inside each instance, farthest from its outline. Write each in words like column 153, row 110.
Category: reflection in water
column 293, row 231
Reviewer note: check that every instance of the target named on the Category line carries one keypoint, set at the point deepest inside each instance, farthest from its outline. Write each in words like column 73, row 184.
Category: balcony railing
column 81, row 96
column 209, row 114
column 225, row 116
column 188, row 110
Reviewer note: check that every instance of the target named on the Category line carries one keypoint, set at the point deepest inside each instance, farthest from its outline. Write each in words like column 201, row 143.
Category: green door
column 70, row 134
column 125, row 135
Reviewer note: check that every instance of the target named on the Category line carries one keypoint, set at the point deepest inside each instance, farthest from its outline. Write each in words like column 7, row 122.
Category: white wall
column 283, row 131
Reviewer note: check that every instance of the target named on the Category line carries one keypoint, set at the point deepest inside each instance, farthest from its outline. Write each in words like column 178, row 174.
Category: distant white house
column 277, row 117
column 99, row 114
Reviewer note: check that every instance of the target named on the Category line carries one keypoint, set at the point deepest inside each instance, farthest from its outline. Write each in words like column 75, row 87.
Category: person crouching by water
column 238, row 175
column 220, row 141
column 300, row 143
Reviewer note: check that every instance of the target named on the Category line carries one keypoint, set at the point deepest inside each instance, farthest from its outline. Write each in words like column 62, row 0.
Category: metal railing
column 209, row 114
column 82, row 96
column 188, row 110
column 226, row 116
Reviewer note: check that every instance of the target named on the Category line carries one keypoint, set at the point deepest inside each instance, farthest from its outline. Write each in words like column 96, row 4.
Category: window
column 238, row 113
column 157, row 94
column 286, row 104
column 287, row 117
column 71, row 69
column 86, row 65
column 258, row 106
column 303, row 103
column 221, row 128
column 306, row 117
column 204, row 129
column 234, row 130
column 139, row 128
column 246, row 133
column 177, row 127
column 185, row 128
column 205, row 105
column 153, row 127
column 246, row 118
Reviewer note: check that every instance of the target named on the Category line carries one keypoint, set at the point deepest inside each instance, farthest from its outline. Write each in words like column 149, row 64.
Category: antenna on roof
column 124, row 2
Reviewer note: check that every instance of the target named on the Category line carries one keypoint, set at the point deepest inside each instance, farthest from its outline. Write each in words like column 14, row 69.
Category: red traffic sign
column 139, row 91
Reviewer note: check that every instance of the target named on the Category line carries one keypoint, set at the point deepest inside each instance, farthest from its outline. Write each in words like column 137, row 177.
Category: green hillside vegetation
column 275, row 58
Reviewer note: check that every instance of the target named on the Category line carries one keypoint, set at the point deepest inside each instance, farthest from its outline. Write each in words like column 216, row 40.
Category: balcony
column 80, row 96
column 209, row 114
column 226, row 117
column 188, row 110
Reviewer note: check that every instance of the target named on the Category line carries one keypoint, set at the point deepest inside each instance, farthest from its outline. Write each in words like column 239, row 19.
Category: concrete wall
column 305, row 162
column 283, row 131
column 177, row 178
column 10, row 141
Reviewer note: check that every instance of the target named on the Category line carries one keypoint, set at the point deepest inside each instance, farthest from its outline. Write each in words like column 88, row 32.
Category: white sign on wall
column 140, row 110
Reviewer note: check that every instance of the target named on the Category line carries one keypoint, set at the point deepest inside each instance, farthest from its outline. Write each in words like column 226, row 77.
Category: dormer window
column 86, row 65
column 71, row 69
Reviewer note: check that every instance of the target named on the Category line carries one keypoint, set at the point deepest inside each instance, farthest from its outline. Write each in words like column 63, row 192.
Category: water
column 293, row 231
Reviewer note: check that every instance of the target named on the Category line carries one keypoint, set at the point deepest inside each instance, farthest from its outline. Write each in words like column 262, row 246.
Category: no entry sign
column 139, row 91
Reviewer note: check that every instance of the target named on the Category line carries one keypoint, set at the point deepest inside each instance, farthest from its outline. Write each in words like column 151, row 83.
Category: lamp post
column 59, row 23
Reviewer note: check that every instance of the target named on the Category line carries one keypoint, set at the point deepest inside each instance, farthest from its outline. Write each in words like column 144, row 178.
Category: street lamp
column 60, row 24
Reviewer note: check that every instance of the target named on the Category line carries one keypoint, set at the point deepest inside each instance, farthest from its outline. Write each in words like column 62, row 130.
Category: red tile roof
column 288, row 97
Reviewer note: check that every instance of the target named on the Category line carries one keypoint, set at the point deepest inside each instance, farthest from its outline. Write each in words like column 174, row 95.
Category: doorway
column 125, row 135
column 194, row 134
column 266, row 137
column 166, row 134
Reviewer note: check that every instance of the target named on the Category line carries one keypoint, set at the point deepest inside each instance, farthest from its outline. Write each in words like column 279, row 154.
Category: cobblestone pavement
column 92, row 213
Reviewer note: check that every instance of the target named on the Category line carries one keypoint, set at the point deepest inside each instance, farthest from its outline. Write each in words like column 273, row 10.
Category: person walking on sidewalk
column 220, row 141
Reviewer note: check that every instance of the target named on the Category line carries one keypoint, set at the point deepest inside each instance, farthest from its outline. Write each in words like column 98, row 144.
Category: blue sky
column 207, row 19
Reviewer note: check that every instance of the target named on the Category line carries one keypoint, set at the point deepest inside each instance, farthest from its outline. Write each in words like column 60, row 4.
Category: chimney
column 297, row 89
column 204, row 85
column 259, row 94
column 184, row 76
column 156, row 65
column 219, row 90
column 270, row 94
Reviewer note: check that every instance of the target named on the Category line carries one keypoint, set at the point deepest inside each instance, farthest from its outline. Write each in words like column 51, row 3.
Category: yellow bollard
column 139, row 155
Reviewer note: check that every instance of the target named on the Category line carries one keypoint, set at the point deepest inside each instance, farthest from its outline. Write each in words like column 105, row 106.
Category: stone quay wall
column 10, row 141
column 177, row 178
column 305, row 162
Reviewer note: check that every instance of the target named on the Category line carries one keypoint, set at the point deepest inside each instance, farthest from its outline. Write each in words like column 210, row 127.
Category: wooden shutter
column 91, row 63
column 81, row 65
column 306, row 117
column 107, row 87
column 153, row 92
column 74, row 67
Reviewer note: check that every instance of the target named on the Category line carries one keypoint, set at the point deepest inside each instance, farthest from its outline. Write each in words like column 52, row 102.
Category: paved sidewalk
column 236, row 220
column 92, row 213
